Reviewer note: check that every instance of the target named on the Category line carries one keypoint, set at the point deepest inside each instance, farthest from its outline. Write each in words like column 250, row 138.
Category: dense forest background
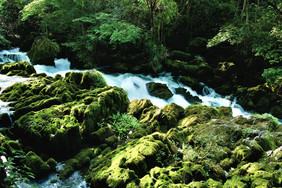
column 94, row 33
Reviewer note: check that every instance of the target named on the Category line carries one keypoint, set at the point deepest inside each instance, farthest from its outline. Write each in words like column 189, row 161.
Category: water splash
column 13, row 55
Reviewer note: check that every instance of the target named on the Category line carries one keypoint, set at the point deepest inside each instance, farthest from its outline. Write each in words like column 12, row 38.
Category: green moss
column 235, row 182
column 79, row 161
column 92, row 79
column 213, row 183
column 137, row 106
column 133, row 160
column 38, row 167
column 43, row 51
column 261, row 183
column 18, row 68
column 197, row 184
column 159, row 90
column 52, row 163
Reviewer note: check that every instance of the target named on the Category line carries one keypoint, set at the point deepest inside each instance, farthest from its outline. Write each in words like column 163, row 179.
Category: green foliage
column 43, row 48
column 273, row 75
column 15, row 174
column 265, row 41
column 121, row 123
column 35, row 8
column 157, row 54
column 102, row 27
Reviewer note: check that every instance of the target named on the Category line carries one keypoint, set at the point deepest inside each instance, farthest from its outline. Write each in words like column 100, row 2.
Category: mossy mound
column 18, row 68
column 43, row 51
column 125, row 164
column 60, row 129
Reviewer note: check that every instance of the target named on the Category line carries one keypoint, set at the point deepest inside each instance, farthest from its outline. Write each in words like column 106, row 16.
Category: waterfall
column 12, row 55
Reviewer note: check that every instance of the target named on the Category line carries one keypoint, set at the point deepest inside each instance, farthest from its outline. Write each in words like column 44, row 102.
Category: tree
column 160, row 11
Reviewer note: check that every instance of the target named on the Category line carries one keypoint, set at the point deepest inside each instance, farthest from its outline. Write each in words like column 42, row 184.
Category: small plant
column 14, row 174
column 123, row 123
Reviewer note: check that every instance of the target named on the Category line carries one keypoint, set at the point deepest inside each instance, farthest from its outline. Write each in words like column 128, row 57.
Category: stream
column 134, row 84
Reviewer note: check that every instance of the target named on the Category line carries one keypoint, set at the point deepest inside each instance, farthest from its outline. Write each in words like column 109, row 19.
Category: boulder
column 186, row 94
column 43, row 51
column 18, row 68
column 159, row 90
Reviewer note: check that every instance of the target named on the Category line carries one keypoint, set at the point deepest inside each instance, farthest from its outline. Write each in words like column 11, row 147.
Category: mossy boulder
column 131, row 161
column 193, row 83
column 62, row 128
column 38, row 167
column 162, row 119
column 259, row 98
column 190, row 98
column 136, row 107
column 92, row 79
column 79, row 161
column 159, row 90
column 18, row 68
column 180, row 55
column 43, row 51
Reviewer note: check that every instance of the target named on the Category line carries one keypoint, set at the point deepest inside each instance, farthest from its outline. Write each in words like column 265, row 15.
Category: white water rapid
column 134, row 84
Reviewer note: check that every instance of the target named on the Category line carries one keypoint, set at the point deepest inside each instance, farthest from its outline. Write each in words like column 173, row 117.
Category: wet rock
column 193, row 83
column 159, row 90
column 190, row 98
column 80, row 160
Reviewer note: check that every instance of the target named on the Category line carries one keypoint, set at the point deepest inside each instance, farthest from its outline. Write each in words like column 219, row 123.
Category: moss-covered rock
column 162, row 119
column 159, row 90
column 18, row 68
column 62, row 128
column 131, row 161
column 136, row 107
column 190, row 98
column 92, row 79
column 43, row 51
column 38, row 167
column 79, row 161
column 259, row 98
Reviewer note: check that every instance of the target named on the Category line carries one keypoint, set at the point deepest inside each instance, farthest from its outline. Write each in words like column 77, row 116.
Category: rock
column 250, row 151
column 159, row 90
column 136, row 107
column 18, row 68
column 80, row 160
column 193, row 83
column 259, row 98
column 60, row 129
column 164, row 118
column 38, row 167
column 5, row 120
column 92, row 79
column 131, row 161
column 43, row 51
column 190, row 98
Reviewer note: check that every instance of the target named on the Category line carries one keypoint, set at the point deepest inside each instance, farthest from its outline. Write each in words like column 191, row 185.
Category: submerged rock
column 159, row 90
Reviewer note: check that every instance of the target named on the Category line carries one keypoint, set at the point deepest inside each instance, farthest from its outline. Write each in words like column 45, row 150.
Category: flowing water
column 134, row 84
